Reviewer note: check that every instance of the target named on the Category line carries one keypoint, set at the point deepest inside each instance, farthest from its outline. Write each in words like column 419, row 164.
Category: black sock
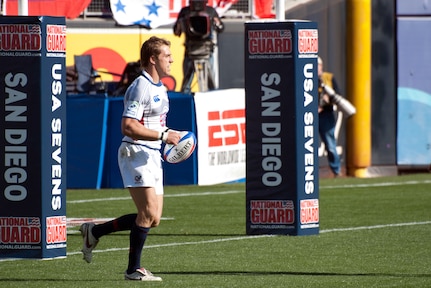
column 122, row 223
column 138, row 235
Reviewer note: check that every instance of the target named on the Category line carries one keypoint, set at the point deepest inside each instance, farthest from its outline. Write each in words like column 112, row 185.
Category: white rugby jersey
column 147, row 102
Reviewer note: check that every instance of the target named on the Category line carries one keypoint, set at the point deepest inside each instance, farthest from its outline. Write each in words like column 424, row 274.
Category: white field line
column 384, row 184
column 175, row 244
column 375, row 227
column 165, row 196
column 242, row 191
column 258, row 236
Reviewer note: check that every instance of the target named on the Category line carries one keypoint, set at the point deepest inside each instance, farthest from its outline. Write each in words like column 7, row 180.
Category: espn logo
column 226, row 127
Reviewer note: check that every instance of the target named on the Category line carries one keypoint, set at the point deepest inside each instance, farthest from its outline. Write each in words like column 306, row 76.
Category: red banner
column 67, row 8
column 263, row 9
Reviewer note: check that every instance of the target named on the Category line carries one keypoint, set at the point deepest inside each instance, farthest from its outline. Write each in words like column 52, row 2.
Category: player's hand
column 173, row 137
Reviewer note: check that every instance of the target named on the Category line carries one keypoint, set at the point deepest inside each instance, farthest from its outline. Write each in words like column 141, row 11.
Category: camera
column 198, row 22
column 342, row 103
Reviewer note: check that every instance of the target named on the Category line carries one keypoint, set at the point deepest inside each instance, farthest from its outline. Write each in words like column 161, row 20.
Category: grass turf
column 373, row 233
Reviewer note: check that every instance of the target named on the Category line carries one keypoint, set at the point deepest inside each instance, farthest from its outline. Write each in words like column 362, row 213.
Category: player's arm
column 134, row 129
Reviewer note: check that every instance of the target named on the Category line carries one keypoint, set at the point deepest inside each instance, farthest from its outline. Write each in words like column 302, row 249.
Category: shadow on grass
column 236, row 273
column 49, row 280
column 292, row 273
column 200, row 235
column 122, row 233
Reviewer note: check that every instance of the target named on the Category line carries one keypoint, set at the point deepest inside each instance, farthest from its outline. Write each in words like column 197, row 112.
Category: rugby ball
column 182, row 151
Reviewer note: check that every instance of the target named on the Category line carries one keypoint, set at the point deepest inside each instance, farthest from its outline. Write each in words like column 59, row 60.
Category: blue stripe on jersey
column 151, row 80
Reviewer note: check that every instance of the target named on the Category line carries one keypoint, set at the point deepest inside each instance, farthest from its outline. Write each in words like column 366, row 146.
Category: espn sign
column 226, row 127
column 226, row 137
column 221, row 137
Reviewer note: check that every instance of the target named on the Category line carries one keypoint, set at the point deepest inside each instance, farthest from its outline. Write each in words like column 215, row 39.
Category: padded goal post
column 33, row 149
column 282, row 175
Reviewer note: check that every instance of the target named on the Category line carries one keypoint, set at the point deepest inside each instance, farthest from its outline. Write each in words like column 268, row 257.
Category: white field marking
column 259, row 236
column 242, row 238
column 165, row 196
column 384, row 184
column 375, row 227
column 74, row 222
column 248, row 237
column 209, row 193
column 71, row 225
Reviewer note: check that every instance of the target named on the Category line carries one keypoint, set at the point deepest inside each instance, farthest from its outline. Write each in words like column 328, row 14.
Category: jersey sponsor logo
column 133, row 107
column 138, row 179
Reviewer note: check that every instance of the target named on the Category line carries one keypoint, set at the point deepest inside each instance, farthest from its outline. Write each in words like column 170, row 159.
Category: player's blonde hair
column 151, row 47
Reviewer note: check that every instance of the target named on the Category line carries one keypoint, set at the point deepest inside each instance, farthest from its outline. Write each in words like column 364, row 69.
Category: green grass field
column 373, row 233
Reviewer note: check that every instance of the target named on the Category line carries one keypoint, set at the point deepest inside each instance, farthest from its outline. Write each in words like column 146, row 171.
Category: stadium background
column 400, row 94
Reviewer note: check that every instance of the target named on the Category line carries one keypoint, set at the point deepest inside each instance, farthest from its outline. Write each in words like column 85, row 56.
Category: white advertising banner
column 220, row 118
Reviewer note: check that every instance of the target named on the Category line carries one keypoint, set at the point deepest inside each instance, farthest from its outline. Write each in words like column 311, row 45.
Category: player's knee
column 155, row 222
column 148, row 220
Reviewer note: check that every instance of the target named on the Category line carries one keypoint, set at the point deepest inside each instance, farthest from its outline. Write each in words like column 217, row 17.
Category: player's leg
column 147, row 204
column 159, row 206
column 121, row 223
column 91, row 232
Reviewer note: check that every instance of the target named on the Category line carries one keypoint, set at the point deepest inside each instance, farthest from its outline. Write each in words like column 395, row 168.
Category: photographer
column 199, row 23
column 327, row 119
